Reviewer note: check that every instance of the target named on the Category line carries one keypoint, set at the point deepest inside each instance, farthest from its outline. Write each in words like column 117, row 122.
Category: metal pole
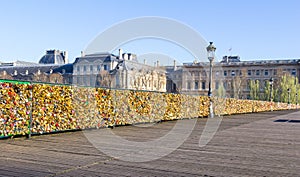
column 297, row 99
column 31, row 111
column 211, row 112
column 289, row 97
column 271, row 97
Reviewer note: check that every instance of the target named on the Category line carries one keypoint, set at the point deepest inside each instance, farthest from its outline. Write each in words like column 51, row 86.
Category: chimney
column 125, row 56
column 66, row 57
column 82, row 54
column 157, row 63
column 120, row 54
column 144, row 61
column 174, row 65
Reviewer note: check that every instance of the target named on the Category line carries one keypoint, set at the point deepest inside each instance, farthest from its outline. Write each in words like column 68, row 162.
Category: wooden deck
column 245, row 145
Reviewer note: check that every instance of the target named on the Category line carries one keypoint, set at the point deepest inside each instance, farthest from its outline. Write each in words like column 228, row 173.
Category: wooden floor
column 245, row 145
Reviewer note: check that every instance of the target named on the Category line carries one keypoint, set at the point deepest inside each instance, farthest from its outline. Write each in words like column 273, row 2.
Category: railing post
column 31, row 108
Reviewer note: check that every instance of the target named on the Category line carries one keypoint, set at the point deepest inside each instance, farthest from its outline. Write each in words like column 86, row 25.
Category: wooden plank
column 245, row 145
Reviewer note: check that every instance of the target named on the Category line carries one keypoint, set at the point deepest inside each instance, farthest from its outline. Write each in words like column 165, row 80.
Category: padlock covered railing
column 36, row 108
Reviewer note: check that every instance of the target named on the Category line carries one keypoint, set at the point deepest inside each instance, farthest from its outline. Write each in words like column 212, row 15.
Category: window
column 98, row 67
column 78, row 68
column 248, row 96
column 196, row 85
column 294, row 72
column 232, row 73
column 84, row 68
column 266, row 82
column 266, row 72
column 189, row 86
column 174, row 86
column 78, row 80
column 248, row 84
column 249, row 72
column 91, row 68
column 105, row 67
column 225, row 73
column 91, row 80
column 257, row 72
column 203, row 85
column 275, row 72
column 85, row 79
column 217, row 85
column 225, row 85
column 241, row 73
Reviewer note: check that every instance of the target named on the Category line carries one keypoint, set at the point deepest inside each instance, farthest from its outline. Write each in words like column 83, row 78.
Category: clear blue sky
column 253, row 29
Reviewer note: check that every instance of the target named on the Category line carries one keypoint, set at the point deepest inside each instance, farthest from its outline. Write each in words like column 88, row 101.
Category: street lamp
column 211, row 56
column 271, row 91
column 289, row 97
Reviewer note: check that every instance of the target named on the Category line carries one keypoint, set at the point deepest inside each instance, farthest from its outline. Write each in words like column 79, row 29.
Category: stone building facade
column 121, row 72
column 233, row 74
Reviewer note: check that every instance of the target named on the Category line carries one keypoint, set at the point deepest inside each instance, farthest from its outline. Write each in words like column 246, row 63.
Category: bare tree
column 238, row 83
column 104, row 79
column 40, row 77
column 56, row 78
column 4, row 75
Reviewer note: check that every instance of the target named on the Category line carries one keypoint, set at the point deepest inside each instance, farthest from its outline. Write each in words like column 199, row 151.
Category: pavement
column 258, row 144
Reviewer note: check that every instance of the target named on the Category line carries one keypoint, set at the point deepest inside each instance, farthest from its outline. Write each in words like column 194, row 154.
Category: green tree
column 267, row 90
column 221, row 92
column 286, row 82
column 254, row 89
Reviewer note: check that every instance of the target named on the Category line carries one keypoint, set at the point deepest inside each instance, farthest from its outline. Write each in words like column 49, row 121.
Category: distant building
column 52, row 67
column 87, row 67
column 231, row 72
column 122, row 71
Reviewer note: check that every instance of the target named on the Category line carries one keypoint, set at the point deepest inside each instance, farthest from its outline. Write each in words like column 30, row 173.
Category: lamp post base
column 211, row 111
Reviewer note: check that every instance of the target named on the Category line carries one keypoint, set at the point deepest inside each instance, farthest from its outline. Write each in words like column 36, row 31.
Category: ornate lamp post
column 271, row 91
column 211, row 56
column 289, row 97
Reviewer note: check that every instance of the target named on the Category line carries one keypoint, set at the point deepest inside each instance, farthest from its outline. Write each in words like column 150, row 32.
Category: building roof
column 52, row 57
column 133, row 65
column 29, row 69
column 103, row 56
column 67, row 68
column 248, row 63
